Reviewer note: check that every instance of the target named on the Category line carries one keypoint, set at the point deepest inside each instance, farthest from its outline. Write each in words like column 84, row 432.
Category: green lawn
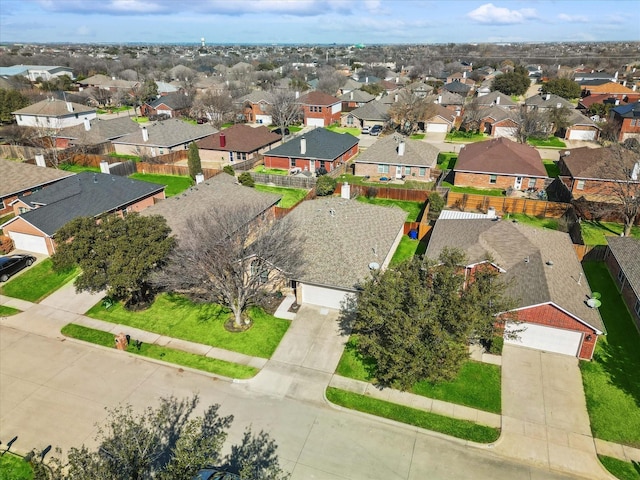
column 178, row 317
column 72, row 167
column 450, row 426
column 414, row 209
column 357, row 180
column 417, row 136
column 490, row 192
column 466, row 137
column 552, row 168
column 621, row 469
column 290, row 196
column 551, row 142
column 407, row 249
column 8, row 311
column 611, row 380
column 447, row 160
column 170, row 355
column 13, row 467
column 270, row 171
column 477, row 385
column 140, row 119
column 550, row 223
column 37, row 282
column 174, row 184
column 350, row 130
column 595, row 233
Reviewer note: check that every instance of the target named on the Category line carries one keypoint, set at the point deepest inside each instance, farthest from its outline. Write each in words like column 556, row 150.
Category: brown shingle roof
column 18, row 177
column 600, row 163
column 385, row 150
column 318, row 98
column 626, row 250
column 500, row 156
column 240, row 138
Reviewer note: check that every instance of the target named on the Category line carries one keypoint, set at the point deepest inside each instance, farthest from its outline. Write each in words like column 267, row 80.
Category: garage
column 322, row 296
column 437, row 127
column 504, row 132
column 30, row 243
column 315, row 122
column 582, row 135
column 544, row 338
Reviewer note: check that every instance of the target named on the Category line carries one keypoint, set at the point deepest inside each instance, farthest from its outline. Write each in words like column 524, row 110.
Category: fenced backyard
column 284, row 180
column 407, row 195
column 506, row 205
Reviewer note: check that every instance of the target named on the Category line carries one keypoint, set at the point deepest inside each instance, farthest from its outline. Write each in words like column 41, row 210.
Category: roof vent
column 332, row 212
column 549, row 263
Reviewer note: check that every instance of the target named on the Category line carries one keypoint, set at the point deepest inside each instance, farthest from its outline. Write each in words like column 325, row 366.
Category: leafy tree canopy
column 193, row 160
column 114, row 253
column 325, row 185
column 511, row 83
column 10, row 101
column 563, row 87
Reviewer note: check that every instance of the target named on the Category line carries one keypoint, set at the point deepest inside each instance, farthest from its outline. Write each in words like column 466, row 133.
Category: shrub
column 496, row 345
column 436, row 204
column 246, row 179
column 229, row 169
column 325, row 185
column 372, row 192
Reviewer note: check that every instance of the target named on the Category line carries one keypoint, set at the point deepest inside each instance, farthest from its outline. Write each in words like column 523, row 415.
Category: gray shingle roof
column 101, row 130
column 357, row 96
column 53, row 108
column 86, row 194
column 342, row 237
column 375, row 111
column 174, row 100
column 548, row 100
column 492, row 99
column 256, row 97
column 321, row 144
column 18, row 177
column 385, row 150
column 626, row 250
column 167, row 133
column 529, row 283
column 220, row 192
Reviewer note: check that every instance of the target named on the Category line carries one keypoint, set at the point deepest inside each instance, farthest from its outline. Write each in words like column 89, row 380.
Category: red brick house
column 542, row 275
column 320, row 109
column 237, row 143
column 498, row 122
column 41, row 214
column 313, row 151
column 256, row 107
column 627, row 120
column 623, row 260
column 175, row 104
column 499, row 163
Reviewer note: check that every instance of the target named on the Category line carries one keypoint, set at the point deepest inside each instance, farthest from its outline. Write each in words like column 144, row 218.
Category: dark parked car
column 12, row 264
column 375, row 130
column 279, row 131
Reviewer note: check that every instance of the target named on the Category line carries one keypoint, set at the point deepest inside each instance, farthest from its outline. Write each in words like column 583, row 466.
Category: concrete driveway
column 544, row 412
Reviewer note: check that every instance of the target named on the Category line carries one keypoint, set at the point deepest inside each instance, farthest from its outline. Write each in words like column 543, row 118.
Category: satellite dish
column 594, row 303
column 374, row 266
column 596, row 295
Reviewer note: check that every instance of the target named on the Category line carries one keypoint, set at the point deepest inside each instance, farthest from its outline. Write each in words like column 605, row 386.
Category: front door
column 398, row 171
column 517, row 185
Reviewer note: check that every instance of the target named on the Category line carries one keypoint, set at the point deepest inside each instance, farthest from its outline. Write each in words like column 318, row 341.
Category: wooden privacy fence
column 282, row 212
column 387, row 192
column 502, row 205
column 162, row 169
column 590, row 252
column 284, row 180
column 421, row 228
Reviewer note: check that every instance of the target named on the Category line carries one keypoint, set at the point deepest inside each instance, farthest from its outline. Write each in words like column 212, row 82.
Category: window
column 532, row 183
column 633, row 122
column 258, row 269
column 422, row 172
column 22, row 210
column 580, row 185
column 1, row 204
column 637, row 308
column 493, row 179
column 621, row 277
column 349, row 120
column 383, row 168
column 407, row 170
column 293, row 162
column 231, row 156
column 319, row 109
column 322, row 164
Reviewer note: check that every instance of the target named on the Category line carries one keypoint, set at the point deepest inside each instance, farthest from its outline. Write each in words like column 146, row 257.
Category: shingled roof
column 500, row 156
column 600, row 163
column 318, row 98
column 375, row 111
column 386, row 151
column 54, row 108
column 240, row 138
column 18, row 177
column 321, row 145
column 167, row 133
column 101, row 130
column 626, row 250
column 524, row 252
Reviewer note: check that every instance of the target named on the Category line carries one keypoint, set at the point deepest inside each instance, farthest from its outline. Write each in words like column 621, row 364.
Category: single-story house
column 499, row 163
column 496, row 98
column 541, row 273
column 397, row 157
column 623, row 260
column 53, row 114
column 41, row 214
column 343, row 241
column 498, row 122
column 21, row 179
column 96, row 131
column 237, row 143
column 443, row 120
column 315, row 150
column 368, row 115
column 581, row 127
column 320, row 109
column 171, row 105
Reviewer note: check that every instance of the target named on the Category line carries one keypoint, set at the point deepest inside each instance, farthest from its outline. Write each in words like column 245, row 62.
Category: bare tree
column 329, row 81
column 473, row 114
column 101, row 96
column 531, row 123
column 410, row 110
column 558, row 119
column 231, row 258
column 285, row 109
column 215, row 107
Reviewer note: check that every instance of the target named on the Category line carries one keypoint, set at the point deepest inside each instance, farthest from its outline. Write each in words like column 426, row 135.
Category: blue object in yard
column 413, row 234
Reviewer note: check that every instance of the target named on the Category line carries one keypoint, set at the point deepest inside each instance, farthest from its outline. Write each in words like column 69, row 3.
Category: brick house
column 313, row 151
column 354, row 99
column 237, row 143
column 497, row 121
column 175, row 104
column 53, row 114
column 580, row 128
column 397, row 157
column 623, row 261
column 613, row 89
column 256, row 107
column 542, row 274
column 627, row 121
column 40, row 215
column 499, row 163
column 320, row 109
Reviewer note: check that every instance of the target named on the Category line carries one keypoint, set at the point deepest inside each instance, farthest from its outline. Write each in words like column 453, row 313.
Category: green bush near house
column 246, row 179
column 325, row 185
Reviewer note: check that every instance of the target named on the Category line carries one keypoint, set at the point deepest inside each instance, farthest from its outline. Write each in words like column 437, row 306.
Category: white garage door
column 504, row 132
column 315, row 122
column 30, row 243
column 546, row 338
column 322, row 296
column 437, row 127
column 582, row 135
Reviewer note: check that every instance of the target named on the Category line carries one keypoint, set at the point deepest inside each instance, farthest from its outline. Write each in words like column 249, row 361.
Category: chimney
column 558, row 105
column 366, row 79
column 539, row 68
column 303, row 146
column 439, row 99
column 145, row 134
column 491, row 212
column 199, row 178
column 345, row 191
column 498, row 100
column 616, row 76
column 113, row 77
column 547, row 96
column 397, row 79
column 636, row 171
column 350, row 95
column 40, row 160
column 87, row 124
column 617, row 102
column 223, row 140
column 69, row 106
column 297, row 94
column 104, row 167
column 401, row 147
column 395, row 98
column 464, row 74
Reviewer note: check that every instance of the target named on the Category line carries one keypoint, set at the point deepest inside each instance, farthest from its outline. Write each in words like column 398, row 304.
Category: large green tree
column 165, row 443
column 193, row 160
column 10, row 101
column 114, row 253
column 415, row 320
column 511, row 83
column 563, row 87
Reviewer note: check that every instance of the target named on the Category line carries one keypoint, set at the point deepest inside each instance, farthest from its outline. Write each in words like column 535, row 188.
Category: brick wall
column 371, row 169
column 627, row 293
column 552, row 316
column 481, row 180
column 627, row 131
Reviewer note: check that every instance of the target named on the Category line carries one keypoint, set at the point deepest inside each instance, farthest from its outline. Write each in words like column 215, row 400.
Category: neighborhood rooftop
column 18, row 176
column 320, row 144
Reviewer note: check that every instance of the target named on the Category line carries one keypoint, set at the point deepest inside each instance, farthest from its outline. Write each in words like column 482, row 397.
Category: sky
column 317, row 21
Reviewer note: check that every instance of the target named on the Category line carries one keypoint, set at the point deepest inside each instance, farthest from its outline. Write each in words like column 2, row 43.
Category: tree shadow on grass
column 621, row 366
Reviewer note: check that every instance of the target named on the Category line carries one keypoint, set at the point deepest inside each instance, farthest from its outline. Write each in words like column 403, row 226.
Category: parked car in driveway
column 279, row 131
column 375, row 130
column 12, row 264
column 365, row 130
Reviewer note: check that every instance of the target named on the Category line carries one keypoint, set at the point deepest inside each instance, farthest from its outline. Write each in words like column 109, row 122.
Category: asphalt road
column 54, row 391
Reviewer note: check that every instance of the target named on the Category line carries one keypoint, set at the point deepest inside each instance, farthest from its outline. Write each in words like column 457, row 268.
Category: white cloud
column 490, row 14
column 573, row 18
column 84, row 31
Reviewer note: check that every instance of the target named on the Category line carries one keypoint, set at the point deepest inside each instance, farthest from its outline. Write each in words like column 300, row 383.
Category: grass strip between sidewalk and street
column 170, row 355
column 37, row 282
column 621, row 469
column 454, row 427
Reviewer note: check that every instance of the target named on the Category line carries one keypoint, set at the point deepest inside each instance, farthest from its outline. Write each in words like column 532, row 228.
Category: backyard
column 595, row 233
column 611, row 380
column 407, row 249
column 552, row 168
column 447, row 160
column 490, row 192
column 37, row 282
column 409, row 184
column 414, row 209
column 270, row 171
column 290, row 196
column 174, row 184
